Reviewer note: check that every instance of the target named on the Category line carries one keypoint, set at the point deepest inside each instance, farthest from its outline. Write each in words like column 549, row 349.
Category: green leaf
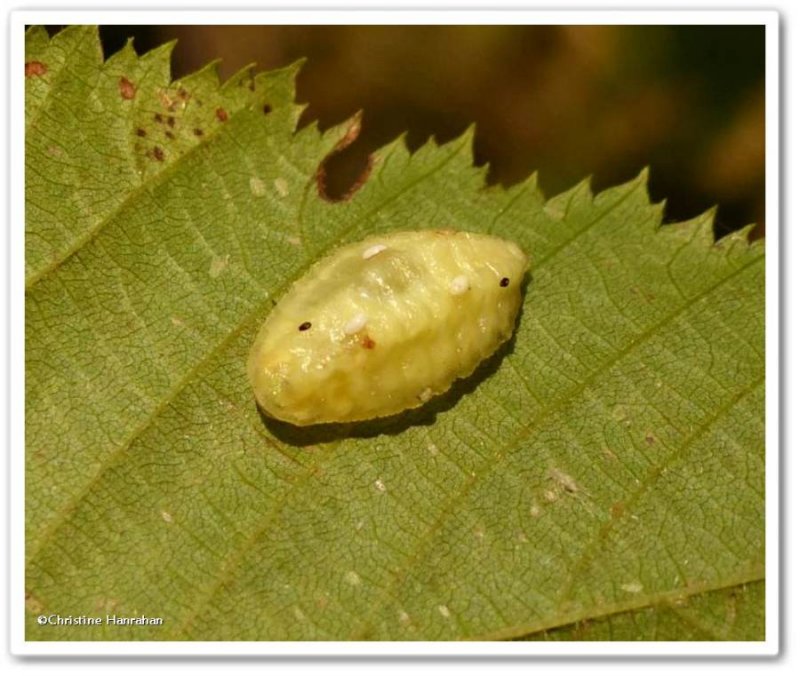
column 609, row 460
column 733, row 614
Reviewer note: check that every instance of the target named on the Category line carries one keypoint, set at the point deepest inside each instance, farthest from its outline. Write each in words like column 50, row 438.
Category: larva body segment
column 385, row 324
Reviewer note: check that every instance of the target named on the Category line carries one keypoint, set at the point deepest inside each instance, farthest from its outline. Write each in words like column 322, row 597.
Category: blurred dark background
column 568, row 101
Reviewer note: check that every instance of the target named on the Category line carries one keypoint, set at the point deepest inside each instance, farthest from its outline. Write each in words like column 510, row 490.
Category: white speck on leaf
column 444, row 610
column 166, row 516
column 380, row 485
column 281, row 186
column 632, row 587
column 554, row 211
column 352, row 578
column 257, row 186
column 563, row 479
column 218, row 266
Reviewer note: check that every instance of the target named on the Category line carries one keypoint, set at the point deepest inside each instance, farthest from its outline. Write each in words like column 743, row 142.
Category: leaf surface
column 609, row 460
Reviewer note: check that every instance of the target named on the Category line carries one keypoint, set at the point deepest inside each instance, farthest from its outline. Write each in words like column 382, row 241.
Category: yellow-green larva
column 385, row 324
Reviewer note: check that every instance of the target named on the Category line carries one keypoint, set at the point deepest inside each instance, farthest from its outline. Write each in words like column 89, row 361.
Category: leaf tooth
column 398, row 144
column 461, row 150
column 36, row 33
column 124, row 58
column 740, row 237
column 74, row 34
column 635, row 191
column 206, row 75
column 559, row 206
column 245, row 72
column 699, row 228
column 160, row 52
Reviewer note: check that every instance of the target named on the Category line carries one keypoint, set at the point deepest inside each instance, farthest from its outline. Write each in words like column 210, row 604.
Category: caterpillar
column 384, row 325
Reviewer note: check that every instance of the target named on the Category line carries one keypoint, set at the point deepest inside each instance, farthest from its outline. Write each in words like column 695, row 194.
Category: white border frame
column 20, row 646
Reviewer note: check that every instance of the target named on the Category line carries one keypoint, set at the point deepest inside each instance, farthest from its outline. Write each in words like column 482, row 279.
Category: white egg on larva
column 386, row 324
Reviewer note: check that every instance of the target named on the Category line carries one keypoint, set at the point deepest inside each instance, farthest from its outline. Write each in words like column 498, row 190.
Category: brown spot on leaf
column 323, row 189
column 197, row 131
column 267, row 109
column 367, row 343
column 141, row 132
column 35, row 69
column 127, row 90
column 617, row 510
column 32, row 603
column 158, row 153
column 650, row 438
column 183, row 93
column 222, row 114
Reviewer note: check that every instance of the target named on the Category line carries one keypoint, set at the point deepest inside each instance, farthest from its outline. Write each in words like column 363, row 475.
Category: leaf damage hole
column 127, row 90
column 341, row 172
column 35, row 69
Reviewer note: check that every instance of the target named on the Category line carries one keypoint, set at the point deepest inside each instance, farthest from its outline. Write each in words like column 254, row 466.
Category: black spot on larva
column 158, row 153
column 171, row 121
column 305, row 326
column 267, row 109
column 141, row 132
column 169, row 134
column 505, row 282
column 157, row 117
column 198, row 132
column 183, row 93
